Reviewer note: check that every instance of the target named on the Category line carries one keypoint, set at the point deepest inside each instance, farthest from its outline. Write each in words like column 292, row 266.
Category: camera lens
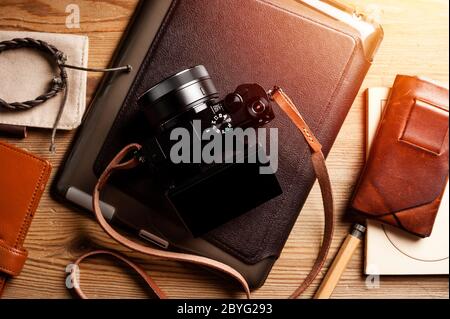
column 184, row 91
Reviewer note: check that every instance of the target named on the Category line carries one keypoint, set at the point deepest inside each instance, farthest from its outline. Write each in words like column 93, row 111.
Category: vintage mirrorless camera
column 207, row 195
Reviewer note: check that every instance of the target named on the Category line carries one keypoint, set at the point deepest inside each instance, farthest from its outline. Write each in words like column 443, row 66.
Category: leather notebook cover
column 319, row 62
column 407, row 169
column 23, row 178
column 29, row 74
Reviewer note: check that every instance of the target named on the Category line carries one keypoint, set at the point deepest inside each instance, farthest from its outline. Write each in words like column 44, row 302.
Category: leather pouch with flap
column 407, row 169
column 23, row 177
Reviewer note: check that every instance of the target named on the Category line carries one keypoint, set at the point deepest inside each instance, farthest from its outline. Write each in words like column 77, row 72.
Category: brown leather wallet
column 23, row 177
column 407, row 168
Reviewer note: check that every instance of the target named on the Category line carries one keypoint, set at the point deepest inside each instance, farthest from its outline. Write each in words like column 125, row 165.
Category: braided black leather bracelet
column 58, row 83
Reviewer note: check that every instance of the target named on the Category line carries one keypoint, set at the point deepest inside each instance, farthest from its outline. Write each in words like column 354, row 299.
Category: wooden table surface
column 416, row 42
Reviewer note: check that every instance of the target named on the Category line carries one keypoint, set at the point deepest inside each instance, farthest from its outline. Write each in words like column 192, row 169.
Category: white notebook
column 389, row 250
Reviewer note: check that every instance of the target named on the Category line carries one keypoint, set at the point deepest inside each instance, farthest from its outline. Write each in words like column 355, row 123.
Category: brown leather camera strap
column 117, row 163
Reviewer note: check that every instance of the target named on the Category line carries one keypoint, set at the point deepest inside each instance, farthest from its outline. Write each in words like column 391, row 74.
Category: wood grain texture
column 416, row 42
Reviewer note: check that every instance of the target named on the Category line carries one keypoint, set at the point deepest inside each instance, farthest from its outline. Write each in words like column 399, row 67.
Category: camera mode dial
column 221, row 123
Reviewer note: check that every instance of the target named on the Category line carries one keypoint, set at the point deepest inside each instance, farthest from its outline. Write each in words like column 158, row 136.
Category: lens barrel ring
column 178, row 94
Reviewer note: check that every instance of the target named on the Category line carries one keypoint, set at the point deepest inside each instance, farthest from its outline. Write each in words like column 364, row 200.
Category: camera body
column 207, row 194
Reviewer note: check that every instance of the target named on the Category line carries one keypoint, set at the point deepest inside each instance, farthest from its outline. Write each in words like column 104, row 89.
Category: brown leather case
column 23, row 178
column 407, row 169
column 319, row 61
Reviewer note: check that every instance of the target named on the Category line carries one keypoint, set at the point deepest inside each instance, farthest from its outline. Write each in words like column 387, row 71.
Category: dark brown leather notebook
column 320, row 65
column 318, row 55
